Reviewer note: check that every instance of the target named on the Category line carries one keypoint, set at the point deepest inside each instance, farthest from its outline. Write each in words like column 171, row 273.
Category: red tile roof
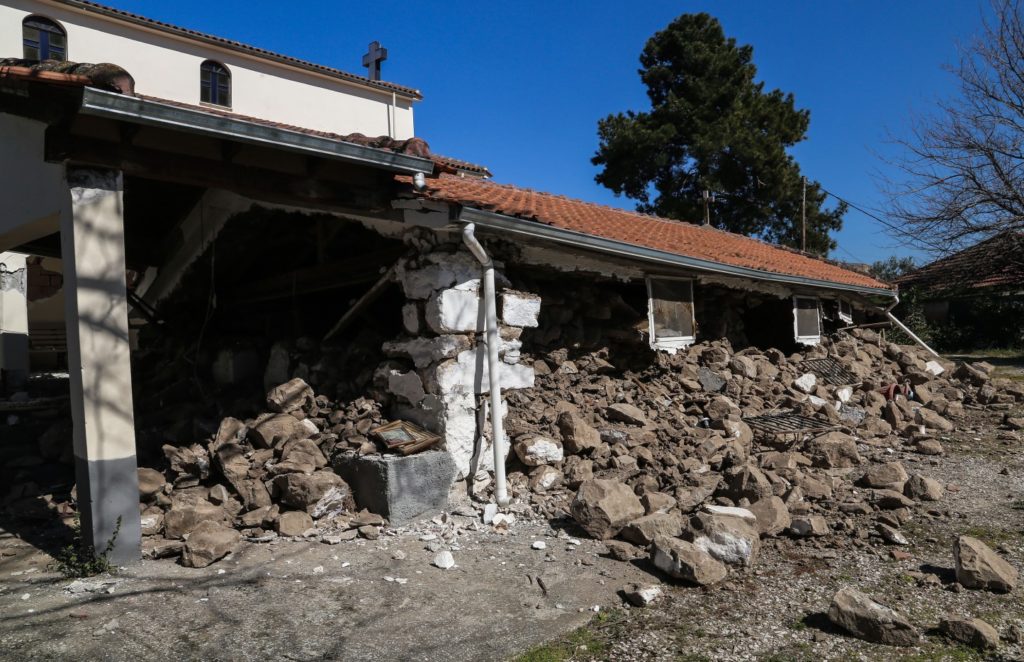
column 239, row 46
column 997, row 263
column 684, row 239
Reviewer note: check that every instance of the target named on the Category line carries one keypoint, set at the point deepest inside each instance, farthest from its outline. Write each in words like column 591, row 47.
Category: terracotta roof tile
column 684, row 239
column 995, row 263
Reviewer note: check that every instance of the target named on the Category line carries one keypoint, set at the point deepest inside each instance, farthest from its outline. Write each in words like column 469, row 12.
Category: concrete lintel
column 92, row 241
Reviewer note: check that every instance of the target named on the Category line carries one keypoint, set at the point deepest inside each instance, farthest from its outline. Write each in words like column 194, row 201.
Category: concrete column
column 14, row 365
column 92, row 240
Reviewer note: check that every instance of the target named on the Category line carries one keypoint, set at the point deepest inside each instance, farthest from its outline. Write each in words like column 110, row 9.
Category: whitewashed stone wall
column 444, row 318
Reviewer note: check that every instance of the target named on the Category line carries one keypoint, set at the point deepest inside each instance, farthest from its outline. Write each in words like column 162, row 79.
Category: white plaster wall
column 33, row 192
column 167, row 66
column 13, row 305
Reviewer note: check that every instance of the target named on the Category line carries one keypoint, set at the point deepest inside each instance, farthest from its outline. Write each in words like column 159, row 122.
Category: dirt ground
column 374, row 600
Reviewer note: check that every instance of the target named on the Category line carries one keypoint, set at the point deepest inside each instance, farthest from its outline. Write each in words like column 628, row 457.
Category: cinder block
column 401, row 488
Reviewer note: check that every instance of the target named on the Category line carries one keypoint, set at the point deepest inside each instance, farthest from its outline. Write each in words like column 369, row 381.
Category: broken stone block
column 151, row 523
column 626, row 413
column 684, row 560
column 603, row 507
column 833, row 450
column 977, row 566
column 808, row 526
column 183, row 518
column 974, row 632
column 746, row 482
column 709, row 381
column 151, row 483
column 578, row 472
column 923, row 488
column 407, row 386
column 728, row 538
column 299, row 456
column 519, row 309
column 577, row 435
column 888, row 476
column 209, row 542
column 642, row 531
column 291, row 396
column 535, row 450
column 657, row 502
column 275, row 430
column 890, row 500
column 303, row 491
column 866, row 619
column 425, row 352
column 806, row 383
column 772, row 516
column 294, row 523
column 642, row 595
column 967, row 372
column 400, row 488
column 932, row 420
column 544, row 478
column 455, row 311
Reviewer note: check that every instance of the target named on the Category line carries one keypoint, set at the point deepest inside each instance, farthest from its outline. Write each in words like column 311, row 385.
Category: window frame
column 43, row 45
column 670, row 343
column 845, row 315
column 806, row 340
column 215, row 69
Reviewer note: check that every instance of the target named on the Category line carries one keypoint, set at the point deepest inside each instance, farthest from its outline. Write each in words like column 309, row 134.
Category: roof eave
column 111, row 105
column 515, row 225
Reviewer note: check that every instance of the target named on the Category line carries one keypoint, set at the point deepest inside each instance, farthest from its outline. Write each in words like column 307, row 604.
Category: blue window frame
column 215, row 84
column 42, row 39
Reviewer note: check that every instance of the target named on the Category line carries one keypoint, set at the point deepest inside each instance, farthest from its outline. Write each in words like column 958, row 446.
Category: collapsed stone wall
column 438, row 372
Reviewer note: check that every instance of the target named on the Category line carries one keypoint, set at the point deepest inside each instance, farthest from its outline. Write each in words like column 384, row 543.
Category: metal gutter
column 111, row 105
column 511, row 224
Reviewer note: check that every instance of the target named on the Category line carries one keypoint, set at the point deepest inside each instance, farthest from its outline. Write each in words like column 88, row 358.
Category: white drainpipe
column 493, row 365
column 892, row 318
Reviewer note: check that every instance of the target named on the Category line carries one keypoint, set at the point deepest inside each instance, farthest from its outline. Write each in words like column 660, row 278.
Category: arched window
column 214, row 84
column 43, row 39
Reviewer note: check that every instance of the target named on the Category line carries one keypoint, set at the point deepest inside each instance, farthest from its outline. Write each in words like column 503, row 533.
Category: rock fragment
column 866, row 619
column 977, row 566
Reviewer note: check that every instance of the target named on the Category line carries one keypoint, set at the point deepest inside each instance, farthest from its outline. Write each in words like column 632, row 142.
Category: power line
column 888, row 224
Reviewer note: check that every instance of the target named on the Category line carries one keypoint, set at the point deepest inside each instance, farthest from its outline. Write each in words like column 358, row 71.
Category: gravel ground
column 303, row 601
column 777, row 610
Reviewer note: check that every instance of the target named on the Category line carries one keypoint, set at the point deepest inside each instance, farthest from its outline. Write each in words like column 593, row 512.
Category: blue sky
column 520, row 86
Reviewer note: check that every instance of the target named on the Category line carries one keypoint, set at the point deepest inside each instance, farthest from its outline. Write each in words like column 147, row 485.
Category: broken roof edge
column 101, row 103
column 513, row 224
column 237, row 46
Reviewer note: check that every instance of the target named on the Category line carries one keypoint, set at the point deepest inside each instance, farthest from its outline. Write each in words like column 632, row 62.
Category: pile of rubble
column 260, row 478
column 689, row 462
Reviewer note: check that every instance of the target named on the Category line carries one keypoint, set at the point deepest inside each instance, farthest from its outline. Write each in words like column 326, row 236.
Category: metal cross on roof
column 373, row 58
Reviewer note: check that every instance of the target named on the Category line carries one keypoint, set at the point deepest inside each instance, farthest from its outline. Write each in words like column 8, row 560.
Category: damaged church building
column 203, row 222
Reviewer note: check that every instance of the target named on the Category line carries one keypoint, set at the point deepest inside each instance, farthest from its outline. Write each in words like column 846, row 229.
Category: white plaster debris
column 520, row 309
column 427, row 351
column 444, row 560
column 806, row 382
column 731, row 511
column 844, row 393
column 934, row 367
column 539, row 544
column 490, row 510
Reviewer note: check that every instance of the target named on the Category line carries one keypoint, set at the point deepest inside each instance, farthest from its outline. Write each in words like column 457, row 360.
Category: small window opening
column 670, row 313
column 845, row 311
column 807, row 320
column 43, row 39
column 215, row 84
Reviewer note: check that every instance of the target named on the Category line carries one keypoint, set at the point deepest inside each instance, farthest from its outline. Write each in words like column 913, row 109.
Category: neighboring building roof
column 997, row 263
column 240, row 47
column 701, row 243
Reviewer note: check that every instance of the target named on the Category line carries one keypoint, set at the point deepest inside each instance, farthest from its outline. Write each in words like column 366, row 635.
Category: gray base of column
column 108, row 491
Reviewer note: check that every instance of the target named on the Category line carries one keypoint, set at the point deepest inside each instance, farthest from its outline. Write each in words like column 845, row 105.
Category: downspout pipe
column 493, row 364
column 892, row 318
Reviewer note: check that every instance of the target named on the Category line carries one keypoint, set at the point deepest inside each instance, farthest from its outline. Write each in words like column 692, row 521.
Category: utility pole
column 803, row 218
column 707, row 214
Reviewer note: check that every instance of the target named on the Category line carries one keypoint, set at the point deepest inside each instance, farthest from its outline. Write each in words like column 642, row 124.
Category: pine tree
column 712, row 127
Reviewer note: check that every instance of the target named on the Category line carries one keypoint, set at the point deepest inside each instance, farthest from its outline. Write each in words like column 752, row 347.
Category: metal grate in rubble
column 787, row 424
column 831, row 371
